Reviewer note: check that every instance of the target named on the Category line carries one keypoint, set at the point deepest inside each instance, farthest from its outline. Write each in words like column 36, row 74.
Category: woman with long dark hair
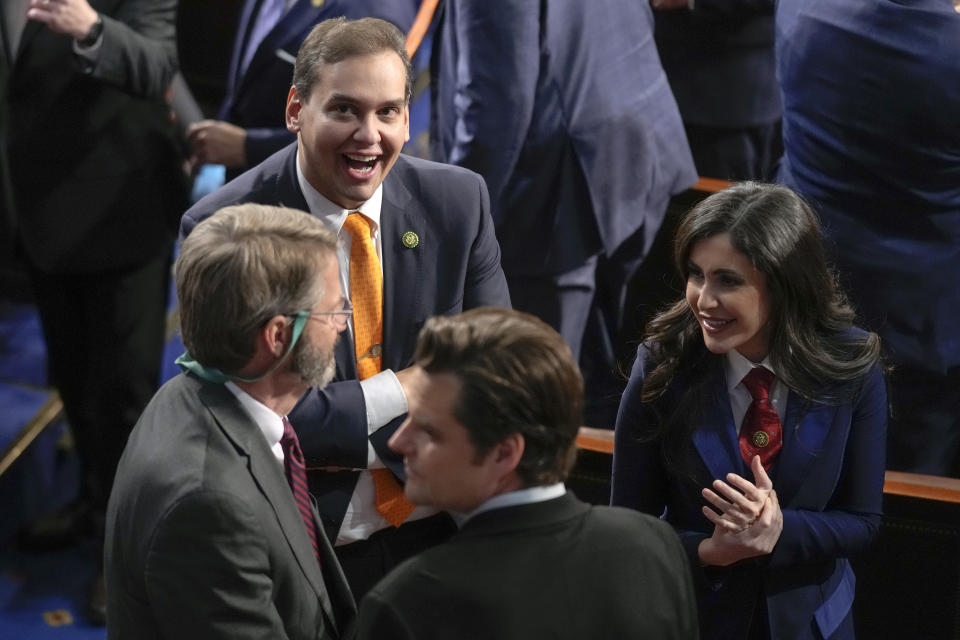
column 755, row 421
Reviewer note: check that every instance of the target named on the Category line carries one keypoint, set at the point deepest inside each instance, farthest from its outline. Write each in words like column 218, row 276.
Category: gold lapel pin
column 410, row 240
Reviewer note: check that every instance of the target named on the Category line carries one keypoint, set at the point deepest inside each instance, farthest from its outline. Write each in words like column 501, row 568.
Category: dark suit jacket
column 204, row 539
column 455, row 267
column 720, row 62
column 871, row 137
column 96, row 173
column 554, row 569
column 828, row 479
column 565, row 111
column 256, row 96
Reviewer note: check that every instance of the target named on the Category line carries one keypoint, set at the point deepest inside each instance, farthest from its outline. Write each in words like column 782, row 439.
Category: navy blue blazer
column 828, row 479
column 456, row 266
column 871, row 137
column 565, row 111
column 256, row 96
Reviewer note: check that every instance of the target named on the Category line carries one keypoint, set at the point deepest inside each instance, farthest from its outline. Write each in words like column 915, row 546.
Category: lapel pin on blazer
column 317, row 3
column 410, row 240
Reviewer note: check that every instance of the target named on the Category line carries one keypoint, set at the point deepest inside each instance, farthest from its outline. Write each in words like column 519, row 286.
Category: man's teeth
column 361, row 164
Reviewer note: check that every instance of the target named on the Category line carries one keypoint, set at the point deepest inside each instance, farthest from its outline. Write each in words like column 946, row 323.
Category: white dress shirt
column 513, row 498
column 270, row 424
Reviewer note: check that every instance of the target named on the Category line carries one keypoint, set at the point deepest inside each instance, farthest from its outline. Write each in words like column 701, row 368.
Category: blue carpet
column 23, row 357
column 20, row 405
column 42, row 596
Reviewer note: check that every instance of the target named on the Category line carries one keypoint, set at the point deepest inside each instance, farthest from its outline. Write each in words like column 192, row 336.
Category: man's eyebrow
column 343, row 97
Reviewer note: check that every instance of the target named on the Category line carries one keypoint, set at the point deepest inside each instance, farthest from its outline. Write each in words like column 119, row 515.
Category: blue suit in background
column 872, row 138
column 719, row 59
column 256, row 94
column 829, row 482
column 565, row 111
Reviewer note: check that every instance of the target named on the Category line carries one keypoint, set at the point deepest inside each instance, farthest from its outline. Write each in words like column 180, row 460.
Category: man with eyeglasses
column 210, row 529
column 418, row 241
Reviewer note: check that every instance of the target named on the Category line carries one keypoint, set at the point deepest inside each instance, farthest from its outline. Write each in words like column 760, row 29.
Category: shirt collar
column 270, row 424
column 331, row 214
column 735, row 366
column 513, row 498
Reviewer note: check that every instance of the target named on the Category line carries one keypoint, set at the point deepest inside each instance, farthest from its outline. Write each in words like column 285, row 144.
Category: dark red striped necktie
column 296, row 472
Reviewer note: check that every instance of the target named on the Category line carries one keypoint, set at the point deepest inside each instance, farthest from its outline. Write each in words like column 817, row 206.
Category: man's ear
column 275, row 336
column 507, row 453
column 294, row 104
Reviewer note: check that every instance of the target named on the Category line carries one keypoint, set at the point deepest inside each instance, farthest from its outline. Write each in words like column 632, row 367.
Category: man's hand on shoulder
column 74, row 18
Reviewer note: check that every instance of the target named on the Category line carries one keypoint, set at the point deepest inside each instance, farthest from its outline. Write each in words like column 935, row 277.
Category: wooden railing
column 897, row 483
column 712, row 185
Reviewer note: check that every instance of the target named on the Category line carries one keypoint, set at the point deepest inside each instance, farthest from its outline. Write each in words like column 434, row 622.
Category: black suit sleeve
column 379, row 620
column 138, row 52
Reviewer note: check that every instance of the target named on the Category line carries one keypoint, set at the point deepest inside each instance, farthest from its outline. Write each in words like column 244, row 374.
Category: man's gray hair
column 242, row 266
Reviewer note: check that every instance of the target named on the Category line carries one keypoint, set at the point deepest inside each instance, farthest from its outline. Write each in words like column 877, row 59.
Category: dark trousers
column 367, row 561
column 105, row 335
column 924, row 434
column 751, row 153
column 591, row 306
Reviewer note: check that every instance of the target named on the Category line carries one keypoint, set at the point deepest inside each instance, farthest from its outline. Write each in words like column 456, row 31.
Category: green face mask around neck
column 212, row 374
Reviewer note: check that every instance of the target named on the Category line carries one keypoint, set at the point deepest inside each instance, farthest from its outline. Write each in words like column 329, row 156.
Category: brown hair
column 337, row 39
column 518, row 376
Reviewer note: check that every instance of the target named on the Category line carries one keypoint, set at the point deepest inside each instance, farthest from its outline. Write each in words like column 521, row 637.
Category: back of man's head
column 518, row 376
column 337, row 39
column 240, row 267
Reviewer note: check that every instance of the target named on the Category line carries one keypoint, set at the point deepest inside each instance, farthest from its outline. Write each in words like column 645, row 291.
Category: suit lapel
column 268, row 476
column 250, row 7
column 287, row 189
column 805, row 430
column 402, row 266
column 715, row 438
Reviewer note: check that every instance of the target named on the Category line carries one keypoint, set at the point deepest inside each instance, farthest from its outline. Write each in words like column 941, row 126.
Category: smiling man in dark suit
column 491, row 435
column 427, row 237
column 250, row 125
column 206, row 538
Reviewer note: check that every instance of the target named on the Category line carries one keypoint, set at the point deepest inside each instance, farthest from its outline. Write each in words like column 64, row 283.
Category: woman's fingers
column 760, row 476
column 721, row 522
column 724, row 506
column 747, row 488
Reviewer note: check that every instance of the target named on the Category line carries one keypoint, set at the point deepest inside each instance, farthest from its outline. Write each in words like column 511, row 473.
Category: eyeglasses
column 340, row 317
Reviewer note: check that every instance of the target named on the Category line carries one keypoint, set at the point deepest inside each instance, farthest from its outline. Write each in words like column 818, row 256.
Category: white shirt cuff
column 385, row 400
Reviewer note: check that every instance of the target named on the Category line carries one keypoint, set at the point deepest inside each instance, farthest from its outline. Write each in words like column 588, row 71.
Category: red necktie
column 760, row 433
column 296, row 473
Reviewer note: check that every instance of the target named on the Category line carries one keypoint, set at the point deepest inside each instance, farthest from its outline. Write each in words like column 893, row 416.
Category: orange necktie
column 366, row 294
